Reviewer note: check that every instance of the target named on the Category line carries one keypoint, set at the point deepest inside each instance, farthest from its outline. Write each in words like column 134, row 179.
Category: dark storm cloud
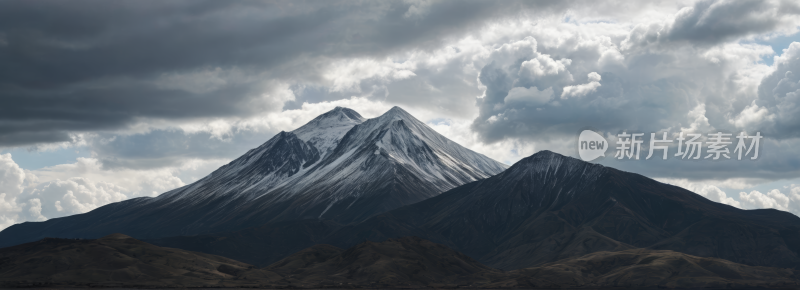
column 779, row 97
column 621, row 105
column 79, row 41
column 616, row 104
column 668, row 81
column 622, row 100
column 164, row 148
column 45, row 115
column 712, row 22
column 80, row 66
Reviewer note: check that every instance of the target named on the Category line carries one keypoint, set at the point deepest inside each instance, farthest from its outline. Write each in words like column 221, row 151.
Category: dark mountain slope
column 196, row 208
column 549, row 207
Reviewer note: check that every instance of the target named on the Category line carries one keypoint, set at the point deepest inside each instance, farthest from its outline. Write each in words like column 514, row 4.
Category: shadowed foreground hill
column 640, row 268
column 119, row 260
column 260, row 246
column 411, row 261
column 395, row 262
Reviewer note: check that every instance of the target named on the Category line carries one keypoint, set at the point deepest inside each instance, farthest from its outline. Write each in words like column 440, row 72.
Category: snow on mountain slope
column 275, row 161
column 338, row 167
column 380, row 164
column 271, row 163
column 405, row 141
column 325, row 131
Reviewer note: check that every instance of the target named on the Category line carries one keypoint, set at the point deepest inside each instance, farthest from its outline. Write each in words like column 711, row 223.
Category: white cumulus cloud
column 584, row 89
column 710, row 191
column 773, row 199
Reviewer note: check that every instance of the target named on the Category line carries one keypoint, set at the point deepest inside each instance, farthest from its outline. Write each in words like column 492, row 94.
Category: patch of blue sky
column 32, row 160
column 439, row 121
column 778, row 44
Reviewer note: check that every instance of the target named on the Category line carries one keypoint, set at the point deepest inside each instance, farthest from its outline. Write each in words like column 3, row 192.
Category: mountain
column 119, row 260
column 379, row 165
column 549, row 207
column 338, row 167
column 275, row 161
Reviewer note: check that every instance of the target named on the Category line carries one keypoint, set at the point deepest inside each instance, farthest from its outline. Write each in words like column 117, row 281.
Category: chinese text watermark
column 592, row 145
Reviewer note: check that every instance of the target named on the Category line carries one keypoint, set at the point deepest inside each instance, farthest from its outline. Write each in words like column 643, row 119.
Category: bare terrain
column 121, row 261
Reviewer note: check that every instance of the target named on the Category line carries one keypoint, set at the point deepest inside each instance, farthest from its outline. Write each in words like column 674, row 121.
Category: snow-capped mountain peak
column 397, row 112
column 325, row 131
column 274, row 162
column 388, row 161
column 337, row 167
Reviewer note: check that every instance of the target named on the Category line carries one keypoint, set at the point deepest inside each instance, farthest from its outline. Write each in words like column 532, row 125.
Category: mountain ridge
column 548, row 207
column 297, row 175
column 392, row 156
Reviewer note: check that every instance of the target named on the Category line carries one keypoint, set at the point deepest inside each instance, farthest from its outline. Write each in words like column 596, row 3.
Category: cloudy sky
column 102, row 101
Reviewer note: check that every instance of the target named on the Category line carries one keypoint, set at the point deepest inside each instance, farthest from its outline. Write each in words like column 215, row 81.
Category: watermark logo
column 591, row 145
